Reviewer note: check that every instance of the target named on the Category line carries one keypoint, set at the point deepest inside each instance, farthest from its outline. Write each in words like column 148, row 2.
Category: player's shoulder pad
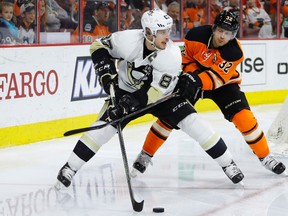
column 231, row 51
column 199, row 34
column 127, row 40
column 131, row 35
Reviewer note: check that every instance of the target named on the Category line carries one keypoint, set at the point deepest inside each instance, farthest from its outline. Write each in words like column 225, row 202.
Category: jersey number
column 165, row 81
column 225, row 66
column 106, row 40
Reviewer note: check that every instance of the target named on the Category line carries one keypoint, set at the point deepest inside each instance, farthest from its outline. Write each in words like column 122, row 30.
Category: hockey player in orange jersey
column 210, row 56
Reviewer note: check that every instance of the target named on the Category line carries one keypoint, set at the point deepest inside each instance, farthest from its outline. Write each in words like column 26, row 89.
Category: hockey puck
column 158, row 210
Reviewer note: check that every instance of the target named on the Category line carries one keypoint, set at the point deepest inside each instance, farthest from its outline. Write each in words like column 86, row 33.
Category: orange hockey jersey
column 215, row 66
column 91, row 31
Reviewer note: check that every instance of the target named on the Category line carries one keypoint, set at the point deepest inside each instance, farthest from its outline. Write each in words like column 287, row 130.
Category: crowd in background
column 23, row 21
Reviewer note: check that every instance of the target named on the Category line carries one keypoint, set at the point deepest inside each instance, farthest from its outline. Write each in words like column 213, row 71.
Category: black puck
column 158, row 210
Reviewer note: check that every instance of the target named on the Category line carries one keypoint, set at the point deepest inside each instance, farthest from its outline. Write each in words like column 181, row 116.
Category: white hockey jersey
column 256, row 13
column 163, row 65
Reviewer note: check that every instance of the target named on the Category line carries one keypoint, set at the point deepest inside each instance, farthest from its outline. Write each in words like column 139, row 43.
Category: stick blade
column 82, row 130
column 76, row 131
column 69, row 133
column 138, row 207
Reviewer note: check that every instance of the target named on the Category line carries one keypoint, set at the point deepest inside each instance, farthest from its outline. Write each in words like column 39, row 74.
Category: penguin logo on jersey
column 139, row 75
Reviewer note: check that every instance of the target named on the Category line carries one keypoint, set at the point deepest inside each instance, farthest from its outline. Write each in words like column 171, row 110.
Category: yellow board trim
column 30, row 133
column 254, row 98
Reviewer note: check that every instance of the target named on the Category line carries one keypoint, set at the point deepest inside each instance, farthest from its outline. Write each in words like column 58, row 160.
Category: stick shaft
column 136, row 206
column 150, row 106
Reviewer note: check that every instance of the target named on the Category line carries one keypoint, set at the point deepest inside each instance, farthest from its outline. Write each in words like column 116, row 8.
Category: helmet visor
column 163, row 31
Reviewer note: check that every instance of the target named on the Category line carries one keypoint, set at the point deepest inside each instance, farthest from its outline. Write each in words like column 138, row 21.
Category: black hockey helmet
column 227, row 21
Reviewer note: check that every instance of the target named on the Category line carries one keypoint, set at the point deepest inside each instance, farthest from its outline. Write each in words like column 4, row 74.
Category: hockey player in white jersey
column 148, row 67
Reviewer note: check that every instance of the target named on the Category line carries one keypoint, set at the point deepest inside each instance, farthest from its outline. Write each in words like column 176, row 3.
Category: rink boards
column 47, row 90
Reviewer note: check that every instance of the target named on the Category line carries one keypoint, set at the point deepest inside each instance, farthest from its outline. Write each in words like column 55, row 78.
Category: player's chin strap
column 152, row 43
column 137, row 206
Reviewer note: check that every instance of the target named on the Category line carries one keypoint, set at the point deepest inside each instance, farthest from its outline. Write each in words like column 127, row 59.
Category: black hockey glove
column 188, row 84
column 260, row 22
column 106, row 71
column 127, row 104
column 251, row 25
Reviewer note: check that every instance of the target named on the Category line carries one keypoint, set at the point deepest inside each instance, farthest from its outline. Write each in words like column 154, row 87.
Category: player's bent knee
column 199, row 130
column 102, row 136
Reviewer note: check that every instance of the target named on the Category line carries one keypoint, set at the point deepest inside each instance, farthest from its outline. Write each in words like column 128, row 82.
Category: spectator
column 125, row 16
column 233, row 7
column 69, row 7
column 167, row 2
column 8, row 29
column 113, row 15
column 57, row 19
column 284, row 11
column 187, row 25
column 43, row 16
column 161, row 4
column 271, row 7
column 259, row 19
column 137, row 14
column 225, row 3
column 66, row 5
column 283, row 26
column 17, row 5
column 203, row 11
column 284, row 7
column 215, row 9
column 282, row 30
column 195, row 12
column 95, row 25
column 140, row 5
column 53, row 22
column 27, row 24
column 174, row 12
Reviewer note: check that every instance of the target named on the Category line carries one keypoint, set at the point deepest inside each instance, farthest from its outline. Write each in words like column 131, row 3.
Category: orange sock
column 247, row 124
column 157, row 135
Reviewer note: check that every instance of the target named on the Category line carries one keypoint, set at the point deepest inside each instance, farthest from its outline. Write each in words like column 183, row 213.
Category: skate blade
column 134, row 173
column 241, row 183
column 59, row 186
column 285, row 173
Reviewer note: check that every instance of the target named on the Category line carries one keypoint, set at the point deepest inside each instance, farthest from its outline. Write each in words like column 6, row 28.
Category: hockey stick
column 137, row 206
column 80, row 130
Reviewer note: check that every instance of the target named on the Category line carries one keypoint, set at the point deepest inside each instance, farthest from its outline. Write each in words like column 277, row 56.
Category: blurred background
column 81, row 21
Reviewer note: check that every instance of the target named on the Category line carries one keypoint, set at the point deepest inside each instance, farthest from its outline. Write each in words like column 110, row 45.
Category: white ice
column 183, row 179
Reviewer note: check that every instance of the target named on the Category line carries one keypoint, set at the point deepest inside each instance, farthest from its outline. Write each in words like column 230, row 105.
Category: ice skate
column 233, row 173
column 141, row 163
column 64, row 177
column 272, row 164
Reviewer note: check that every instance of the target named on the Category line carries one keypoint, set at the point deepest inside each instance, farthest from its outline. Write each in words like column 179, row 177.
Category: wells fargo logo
column 28, row 84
